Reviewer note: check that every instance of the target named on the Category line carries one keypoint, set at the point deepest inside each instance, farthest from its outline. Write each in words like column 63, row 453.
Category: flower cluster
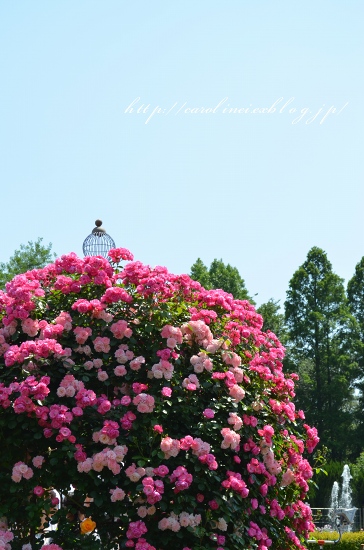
column 21, row 470
column 174, row 522
column 153, row 406
column 6, row 537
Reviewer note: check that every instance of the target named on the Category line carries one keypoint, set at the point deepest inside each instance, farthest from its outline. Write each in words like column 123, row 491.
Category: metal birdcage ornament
column 98, row 243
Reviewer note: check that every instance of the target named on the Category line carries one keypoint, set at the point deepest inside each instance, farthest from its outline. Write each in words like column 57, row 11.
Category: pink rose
column 38, row 461
column 38, row 491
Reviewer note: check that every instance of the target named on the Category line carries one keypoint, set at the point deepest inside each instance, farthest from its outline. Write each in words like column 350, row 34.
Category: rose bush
column 139, row 410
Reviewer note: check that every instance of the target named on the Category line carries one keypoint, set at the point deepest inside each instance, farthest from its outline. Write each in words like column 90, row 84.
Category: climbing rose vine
column 139, row 410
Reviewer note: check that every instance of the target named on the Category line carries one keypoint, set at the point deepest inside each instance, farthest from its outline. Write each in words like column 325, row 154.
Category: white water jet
column 334, row 502
column 345, row 498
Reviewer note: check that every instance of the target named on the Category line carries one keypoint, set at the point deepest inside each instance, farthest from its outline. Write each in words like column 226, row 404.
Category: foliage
column 321, row 332
column 29, row 256
column 355, row 292
column 158, row 410
column 220, row 276
column 273, row 319
column 357, row 472
column 200, row 273
column 349, row 541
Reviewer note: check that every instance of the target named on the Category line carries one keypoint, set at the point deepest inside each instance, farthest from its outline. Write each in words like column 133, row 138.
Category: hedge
column 349, row 541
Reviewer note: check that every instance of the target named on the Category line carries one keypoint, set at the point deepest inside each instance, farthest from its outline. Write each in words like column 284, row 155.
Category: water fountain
column 345, row 499
column 334, row 502
column 342, row 507
column 341, row 513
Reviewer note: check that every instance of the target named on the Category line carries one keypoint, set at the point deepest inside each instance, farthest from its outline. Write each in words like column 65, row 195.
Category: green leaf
column 98, row 499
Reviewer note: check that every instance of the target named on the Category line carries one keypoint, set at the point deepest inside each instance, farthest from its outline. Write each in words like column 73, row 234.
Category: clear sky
column 173, row 182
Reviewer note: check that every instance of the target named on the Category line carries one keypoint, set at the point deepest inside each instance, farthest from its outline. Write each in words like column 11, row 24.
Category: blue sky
column 173, row 183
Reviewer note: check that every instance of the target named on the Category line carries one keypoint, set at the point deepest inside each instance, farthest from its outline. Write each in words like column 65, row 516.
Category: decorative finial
column 98, row 230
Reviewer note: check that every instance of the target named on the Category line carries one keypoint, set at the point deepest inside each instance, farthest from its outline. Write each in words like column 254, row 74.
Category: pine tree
column 320, row 331
column 355, row 292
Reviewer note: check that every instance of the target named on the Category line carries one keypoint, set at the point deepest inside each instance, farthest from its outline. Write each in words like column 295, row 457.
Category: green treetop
column 200, row 273
column 30, row 256
column 221, row 276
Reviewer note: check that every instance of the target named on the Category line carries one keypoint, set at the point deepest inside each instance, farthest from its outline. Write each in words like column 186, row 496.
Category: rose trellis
column 139, row 410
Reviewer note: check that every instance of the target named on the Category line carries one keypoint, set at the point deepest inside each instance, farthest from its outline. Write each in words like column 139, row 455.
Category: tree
column 355, row 293
column 220, row 276
column 33, row 255
column 273, row 319
column 200, row 273
column 357, row 471
column 320, row 330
